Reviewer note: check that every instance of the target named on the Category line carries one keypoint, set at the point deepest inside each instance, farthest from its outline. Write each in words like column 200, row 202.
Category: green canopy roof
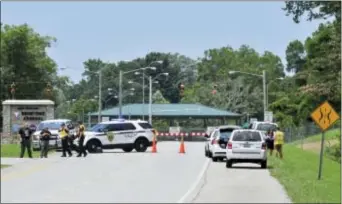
column 168, row 110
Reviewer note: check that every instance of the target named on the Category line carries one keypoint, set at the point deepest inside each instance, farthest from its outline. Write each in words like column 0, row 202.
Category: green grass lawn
column 13, row 150
column 298, row 174
column 329, row 135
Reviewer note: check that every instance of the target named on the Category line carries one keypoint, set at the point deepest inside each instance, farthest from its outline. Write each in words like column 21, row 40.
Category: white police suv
column 53, row 126
column 119, row 134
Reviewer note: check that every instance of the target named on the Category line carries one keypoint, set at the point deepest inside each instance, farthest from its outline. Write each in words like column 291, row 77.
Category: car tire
column 214, row 159
column 264, row 164
column 141, row 145
column 210, row 155
column 94, row 146
column 127, row 149
column 229, row 164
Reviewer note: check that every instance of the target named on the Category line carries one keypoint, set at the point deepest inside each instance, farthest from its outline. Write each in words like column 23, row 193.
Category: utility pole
column 120, row 94
column 264, row 89
column 100, row 95
column 143, row 92
column 150, row 102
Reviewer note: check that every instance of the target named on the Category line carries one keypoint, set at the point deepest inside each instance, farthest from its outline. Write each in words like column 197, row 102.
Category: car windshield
column 98, row 128
column 266, row 126
column 145, row 125
column 50, row 125
column 244, row 136
column 225, row 133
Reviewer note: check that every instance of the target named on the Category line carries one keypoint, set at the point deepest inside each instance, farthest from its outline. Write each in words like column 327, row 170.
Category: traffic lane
column 244, row 183
column 113, row 176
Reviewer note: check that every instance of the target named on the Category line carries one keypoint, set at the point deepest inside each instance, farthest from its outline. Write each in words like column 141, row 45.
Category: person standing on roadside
column 45, row 135
column 81, row 136
column 279, row 142
column 25, row 134
column 270, row 141
column 63, row 134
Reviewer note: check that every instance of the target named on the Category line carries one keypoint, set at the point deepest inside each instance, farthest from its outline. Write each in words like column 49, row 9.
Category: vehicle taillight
column 263, row 146
column 214, row 141
column 229, row 145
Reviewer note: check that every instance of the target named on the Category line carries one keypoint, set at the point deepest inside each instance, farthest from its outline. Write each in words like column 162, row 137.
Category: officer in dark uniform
column 45, row 135
column 81, row 136
column 63, row 134
column 25, row 134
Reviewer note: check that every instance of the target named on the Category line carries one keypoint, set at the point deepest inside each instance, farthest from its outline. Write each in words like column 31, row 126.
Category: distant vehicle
column 215, row 148
column 53, row 125
column 119, row 134
column 264, row 126
column 246, row 146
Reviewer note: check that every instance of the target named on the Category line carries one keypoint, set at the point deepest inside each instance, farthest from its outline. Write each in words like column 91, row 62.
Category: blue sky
column 116, row 31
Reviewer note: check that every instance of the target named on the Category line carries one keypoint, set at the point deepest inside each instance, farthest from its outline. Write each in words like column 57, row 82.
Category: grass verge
column 13, row 150
column 298, row 174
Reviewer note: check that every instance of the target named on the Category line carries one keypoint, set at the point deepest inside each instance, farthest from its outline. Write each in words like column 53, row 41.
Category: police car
column 119, row 134
column 53, row 126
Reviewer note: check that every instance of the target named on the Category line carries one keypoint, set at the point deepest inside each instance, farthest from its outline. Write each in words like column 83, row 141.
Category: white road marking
column 195, row 184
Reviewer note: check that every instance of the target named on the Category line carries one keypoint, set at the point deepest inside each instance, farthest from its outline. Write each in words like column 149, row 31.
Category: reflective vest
column 278, row 137
column 63, row 133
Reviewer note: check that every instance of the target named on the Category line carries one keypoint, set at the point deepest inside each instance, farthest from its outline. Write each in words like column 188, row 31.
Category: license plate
column 246, row 145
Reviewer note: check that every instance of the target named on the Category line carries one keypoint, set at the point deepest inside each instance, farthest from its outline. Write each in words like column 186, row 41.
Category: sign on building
column 268, row 116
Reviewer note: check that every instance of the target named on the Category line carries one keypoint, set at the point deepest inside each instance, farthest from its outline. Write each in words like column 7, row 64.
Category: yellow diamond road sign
column 325, row 116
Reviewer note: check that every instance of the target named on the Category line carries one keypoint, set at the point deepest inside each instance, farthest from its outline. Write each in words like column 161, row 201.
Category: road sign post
column 324, row 116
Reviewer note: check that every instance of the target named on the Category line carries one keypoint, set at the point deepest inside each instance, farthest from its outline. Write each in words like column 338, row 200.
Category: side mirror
column 105, row 130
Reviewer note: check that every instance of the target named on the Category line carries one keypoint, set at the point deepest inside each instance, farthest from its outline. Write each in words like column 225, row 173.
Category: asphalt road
column 244, row 183
column 113, row 176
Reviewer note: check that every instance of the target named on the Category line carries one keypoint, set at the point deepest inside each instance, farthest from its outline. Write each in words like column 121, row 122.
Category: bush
column 334, row 151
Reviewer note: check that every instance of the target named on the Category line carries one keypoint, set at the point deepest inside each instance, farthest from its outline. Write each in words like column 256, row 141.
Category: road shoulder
column 244, row 183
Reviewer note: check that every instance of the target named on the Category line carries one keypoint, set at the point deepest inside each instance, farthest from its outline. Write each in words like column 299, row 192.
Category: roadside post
column 324, row 116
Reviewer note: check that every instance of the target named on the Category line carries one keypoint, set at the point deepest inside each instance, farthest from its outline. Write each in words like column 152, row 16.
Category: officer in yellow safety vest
column 278, row 142
column 81, row 136
column 64, row 134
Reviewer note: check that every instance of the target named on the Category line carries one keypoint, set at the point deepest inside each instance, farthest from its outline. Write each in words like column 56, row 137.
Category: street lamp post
column 135, row 70
column 150, row 96
column 263, row 84
column 265, row 101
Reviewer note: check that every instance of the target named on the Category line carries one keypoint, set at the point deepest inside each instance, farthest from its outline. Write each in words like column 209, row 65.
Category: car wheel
column 264, row 164
column 94, row 146
column 210, row 155
column 127, row 149
column 141, row 145
column 214, row 159
column 229, row 164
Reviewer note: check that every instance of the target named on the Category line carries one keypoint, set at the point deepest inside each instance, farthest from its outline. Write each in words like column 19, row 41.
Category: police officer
column 45, row 135
column 81, row 136
column 63, row 134
column 25, row 134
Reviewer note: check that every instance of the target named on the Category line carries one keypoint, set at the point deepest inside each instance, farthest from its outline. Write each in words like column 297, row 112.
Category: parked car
column 264, row 126
column 246, row 146
column 119, row 134
column 53, row 126
column 215, row 147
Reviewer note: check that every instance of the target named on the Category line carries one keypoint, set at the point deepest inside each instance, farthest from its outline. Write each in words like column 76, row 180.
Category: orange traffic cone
column 182, row 147
column 154, row 145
